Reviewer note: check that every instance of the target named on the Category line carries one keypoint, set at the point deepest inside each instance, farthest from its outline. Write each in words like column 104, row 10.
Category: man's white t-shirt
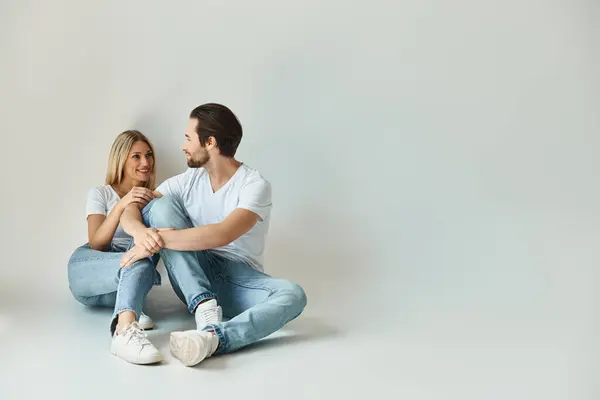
column 246, row 189
column 101, row 200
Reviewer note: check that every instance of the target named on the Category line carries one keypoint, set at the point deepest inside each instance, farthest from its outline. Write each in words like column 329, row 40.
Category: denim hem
column 218, row 330
column 113, row 323
column 196, row 300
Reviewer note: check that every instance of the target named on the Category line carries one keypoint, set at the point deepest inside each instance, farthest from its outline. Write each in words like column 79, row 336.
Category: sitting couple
column 209, row 226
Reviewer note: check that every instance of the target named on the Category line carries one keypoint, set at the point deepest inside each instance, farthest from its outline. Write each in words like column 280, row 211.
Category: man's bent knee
column 295, row 298
column 299, row 295
column 168, row 212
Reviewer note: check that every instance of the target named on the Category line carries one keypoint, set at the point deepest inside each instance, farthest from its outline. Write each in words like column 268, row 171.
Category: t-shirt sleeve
column 174, row 186
column 256, row 197
column 96, row 202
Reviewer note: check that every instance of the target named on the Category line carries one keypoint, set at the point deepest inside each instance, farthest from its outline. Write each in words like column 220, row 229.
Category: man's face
column 196, row 155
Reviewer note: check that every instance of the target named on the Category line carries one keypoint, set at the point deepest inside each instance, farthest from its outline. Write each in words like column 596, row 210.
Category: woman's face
column 140, row 162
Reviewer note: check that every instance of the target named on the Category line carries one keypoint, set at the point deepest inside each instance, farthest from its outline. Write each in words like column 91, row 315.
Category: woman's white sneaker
column 145, row 322
column 131, row 344
column 191, row 347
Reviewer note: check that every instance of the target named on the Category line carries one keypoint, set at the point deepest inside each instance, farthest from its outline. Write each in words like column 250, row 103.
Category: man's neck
column 220, row 170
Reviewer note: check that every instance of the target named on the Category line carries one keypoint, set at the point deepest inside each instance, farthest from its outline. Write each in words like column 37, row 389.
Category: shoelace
column 210, row 315
column 135, row 334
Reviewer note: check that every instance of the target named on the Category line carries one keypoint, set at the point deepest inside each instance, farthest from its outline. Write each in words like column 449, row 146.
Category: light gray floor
column 50, row 345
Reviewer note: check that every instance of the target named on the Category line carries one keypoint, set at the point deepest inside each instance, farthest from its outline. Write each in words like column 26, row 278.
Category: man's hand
column 150, row 239
column 134, row 254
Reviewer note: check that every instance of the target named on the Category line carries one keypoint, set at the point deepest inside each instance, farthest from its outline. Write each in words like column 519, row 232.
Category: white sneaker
column 145, row 322
column 131, row 344
column 191, row 347
column 208, row 313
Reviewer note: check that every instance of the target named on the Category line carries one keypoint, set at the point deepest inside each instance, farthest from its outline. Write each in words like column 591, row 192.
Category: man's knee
column 299, row 295
column 168, row 212
column 296, row 297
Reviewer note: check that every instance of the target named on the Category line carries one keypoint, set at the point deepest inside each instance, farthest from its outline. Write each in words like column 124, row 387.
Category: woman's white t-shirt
column 101, row 200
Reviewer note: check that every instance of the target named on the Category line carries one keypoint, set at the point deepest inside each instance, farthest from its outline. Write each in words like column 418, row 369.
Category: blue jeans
column 255, row 303
column 97, row 279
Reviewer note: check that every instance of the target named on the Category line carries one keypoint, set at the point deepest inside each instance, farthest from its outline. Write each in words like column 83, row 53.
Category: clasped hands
column 147, row 243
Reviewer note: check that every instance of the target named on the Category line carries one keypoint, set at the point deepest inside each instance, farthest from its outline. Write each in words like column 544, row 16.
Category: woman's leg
column 135, row 282
column 93, row 276
column 97, row 279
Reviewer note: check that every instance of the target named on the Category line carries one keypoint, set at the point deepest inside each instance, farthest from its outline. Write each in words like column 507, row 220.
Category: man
column 219, row 211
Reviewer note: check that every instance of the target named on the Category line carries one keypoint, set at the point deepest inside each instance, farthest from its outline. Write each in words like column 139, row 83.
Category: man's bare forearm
column 196, row 239
column 131, row 220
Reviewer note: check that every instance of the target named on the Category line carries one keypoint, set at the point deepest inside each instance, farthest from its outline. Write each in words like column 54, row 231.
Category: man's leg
column 189, row 280
column 258, row 304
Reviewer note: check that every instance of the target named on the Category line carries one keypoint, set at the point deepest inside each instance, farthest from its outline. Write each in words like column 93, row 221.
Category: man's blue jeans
column 255, row 303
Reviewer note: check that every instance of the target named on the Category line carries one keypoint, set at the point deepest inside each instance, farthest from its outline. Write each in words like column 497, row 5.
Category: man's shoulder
column 188, row 176
column 253, row 175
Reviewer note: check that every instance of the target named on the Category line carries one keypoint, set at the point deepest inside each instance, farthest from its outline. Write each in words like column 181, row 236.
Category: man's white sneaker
column 145, row 322
column 208, row 313
column 131, row 344
column 191, row 347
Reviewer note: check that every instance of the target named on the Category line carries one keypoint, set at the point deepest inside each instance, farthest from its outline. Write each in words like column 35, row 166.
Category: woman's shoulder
column 104, row 192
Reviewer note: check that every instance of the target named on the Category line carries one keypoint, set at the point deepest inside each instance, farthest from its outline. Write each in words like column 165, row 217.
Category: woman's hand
column 137, row 194
column 134, row 254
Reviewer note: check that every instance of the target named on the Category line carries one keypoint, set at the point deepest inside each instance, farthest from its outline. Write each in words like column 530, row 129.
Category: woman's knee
column 79, row 253
column 145, row 265
column 103, row 300
column 141, row 272
column 85, row 300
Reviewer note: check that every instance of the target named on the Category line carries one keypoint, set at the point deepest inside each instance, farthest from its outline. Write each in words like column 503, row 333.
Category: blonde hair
column 119, row 152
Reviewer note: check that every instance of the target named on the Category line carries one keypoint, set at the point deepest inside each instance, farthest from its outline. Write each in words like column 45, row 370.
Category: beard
column 198, row 161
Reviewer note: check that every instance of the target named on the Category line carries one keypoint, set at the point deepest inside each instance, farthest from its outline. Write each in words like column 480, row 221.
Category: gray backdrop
column 433, row 163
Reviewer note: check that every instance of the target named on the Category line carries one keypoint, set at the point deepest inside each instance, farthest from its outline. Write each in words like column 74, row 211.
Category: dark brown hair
column 220, row 122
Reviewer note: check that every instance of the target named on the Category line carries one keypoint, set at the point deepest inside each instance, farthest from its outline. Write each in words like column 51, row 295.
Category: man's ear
column 211, row 141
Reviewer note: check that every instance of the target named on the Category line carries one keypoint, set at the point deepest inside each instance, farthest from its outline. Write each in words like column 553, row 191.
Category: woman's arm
column 101, row 229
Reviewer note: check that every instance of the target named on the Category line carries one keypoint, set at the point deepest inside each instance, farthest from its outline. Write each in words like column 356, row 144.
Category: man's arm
column 211, row 236
column 254, row 204
column 131, row 222
column 203, row 237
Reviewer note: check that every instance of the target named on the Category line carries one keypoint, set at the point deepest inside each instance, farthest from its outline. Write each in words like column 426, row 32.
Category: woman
column 95, row 275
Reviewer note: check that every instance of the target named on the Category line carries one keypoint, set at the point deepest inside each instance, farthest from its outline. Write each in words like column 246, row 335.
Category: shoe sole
column 147, row 327
column 185, row 348
column 138, row 360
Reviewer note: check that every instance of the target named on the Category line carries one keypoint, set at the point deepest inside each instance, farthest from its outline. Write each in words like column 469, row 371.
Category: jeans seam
column 196, row 300
column 115, row 312
column 86, row 259
column 256, row 287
